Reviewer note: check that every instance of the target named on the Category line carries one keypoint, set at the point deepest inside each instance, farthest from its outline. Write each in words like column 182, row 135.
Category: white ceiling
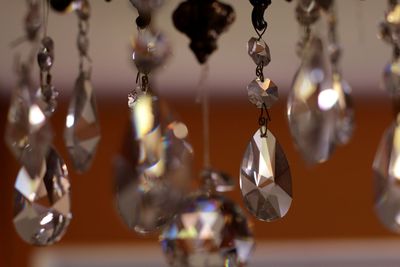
column 231, row 69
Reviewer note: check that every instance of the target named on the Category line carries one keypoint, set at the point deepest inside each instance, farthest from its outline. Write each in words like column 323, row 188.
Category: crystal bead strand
column 319, row 106
column 265, row 179
column 42, row 200
column 386, row 166
column 82, row 127
column 153, row 170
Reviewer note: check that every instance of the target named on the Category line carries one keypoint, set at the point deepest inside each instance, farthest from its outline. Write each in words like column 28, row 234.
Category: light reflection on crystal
column 262, row 92
column 265, row 179
column 210, row 230
column 42, row 203
column 154, row 170
column 150, row 51
column 258, row 50
column 28, row 135
column 82, row 132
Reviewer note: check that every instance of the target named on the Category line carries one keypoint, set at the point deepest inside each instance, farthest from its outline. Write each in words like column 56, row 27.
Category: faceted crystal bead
column 312, row 107
column 260, row 93
column 216, row 181
column 47, row 99
column 28, row 135
column 82, row 132
column 391, row 77
column 150, row 51
column 210, row 230
column 386, row 168
column 42, row 203
column 265, row 180
column 154, row 169
column 45, row 56
column 258, row 50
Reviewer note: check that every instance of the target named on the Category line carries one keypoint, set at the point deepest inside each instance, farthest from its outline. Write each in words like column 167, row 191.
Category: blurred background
column 331, row 221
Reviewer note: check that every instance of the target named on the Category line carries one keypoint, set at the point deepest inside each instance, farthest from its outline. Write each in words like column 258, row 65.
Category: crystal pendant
column 260, row 93
column 265, row 180
column 258, row 50
column 28, row 135
column 42, row 203
column 311, row 107
column 386, row 168
column 307, row 12
column 82, row 132
column 217, row 181
column 154, row 170
column 150, row 51
column 391, row 77
column 210, row 230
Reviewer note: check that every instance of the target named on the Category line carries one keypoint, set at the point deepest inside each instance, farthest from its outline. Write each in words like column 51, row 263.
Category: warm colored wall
column 333, row 200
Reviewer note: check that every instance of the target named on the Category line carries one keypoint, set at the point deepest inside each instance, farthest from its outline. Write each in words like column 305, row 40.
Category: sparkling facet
column 42, row 203
column 210, row 231
column 258, row 50
column 391, row 77
column 28, row 135
column 311, row 107
column 82, row 132
column 260, row 93
column 154, row 170
column 386, row 168
column 47, row 99
column 345, row 112
column 150, row 51
column 217, row 181
column 265, row 180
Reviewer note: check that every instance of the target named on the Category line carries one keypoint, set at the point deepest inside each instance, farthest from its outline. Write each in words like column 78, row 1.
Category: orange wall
column 333, row 200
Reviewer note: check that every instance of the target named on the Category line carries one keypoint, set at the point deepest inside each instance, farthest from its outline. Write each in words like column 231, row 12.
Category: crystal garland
column 319, row 107
column 386, row 163
column 153, row 169
column 265, row 179
column 41, row 196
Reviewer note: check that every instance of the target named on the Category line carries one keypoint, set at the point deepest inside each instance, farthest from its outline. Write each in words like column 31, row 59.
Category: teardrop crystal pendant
column 42, row 203
column 28, row 135
column 265, row 179
column 82, row 131
column 210, row 230
column 386, row 169
column 154, row 169
column 310, row 107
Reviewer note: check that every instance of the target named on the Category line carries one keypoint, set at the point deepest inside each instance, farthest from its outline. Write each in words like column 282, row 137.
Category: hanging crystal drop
column 28, row 135
column 42, row 203
column 345, row 111
column 82, row 132
column 154, row 169
column 150, row 51
column 386, row 169
column 265, row 180
column 311, row 107
column 210, row 230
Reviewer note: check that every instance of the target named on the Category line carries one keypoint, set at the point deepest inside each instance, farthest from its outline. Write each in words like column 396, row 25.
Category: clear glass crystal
column 150, row 51
column 260, row 93
column 82, row 132
column 311, row 107
column 265, row 180
column 210, row 230
column 386, row 168
column 307, row 12
column 47, row 99
column 153, row 172
column 391, row 77
column 42, row 203
column 28, row 135
column 217, row 181
column 258, row 50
